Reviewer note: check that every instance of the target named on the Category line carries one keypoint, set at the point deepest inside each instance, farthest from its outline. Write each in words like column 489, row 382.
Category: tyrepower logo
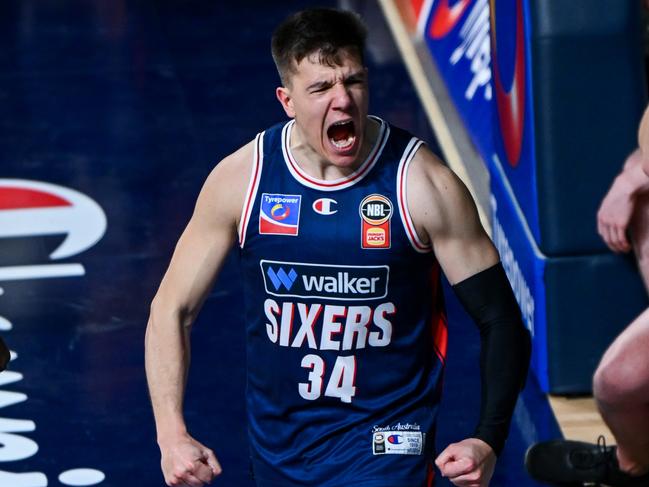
column 337, row 282
column 31, row 209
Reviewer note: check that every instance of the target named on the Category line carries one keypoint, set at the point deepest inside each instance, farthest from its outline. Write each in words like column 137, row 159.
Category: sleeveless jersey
column 345, row 323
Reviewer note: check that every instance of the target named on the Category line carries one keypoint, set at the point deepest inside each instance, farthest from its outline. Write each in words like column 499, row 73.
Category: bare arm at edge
column 619, row 204
column 197, row 259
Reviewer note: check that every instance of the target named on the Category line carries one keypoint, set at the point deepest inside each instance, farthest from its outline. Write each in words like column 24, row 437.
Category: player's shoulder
column 226, row 185
column 233, row 171
column 437, row 198
column 429, row 175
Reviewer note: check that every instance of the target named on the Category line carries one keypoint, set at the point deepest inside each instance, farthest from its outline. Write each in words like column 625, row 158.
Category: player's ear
column 284, row 97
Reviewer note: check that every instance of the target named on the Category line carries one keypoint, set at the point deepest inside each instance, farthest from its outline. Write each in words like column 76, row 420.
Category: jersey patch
column 279, row 214
column 325, row 206
column 397, row 442
column 376, row 212
column 339, row 282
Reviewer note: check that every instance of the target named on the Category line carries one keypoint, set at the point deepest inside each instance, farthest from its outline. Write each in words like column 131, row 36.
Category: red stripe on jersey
column 440, row 336
column 22, row 198
column 430, row 476
column 365, row 167
column 439, row 322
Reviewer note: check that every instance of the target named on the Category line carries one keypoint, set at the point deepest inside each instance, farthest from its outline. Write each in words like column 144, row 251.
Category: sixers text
column 325, row 326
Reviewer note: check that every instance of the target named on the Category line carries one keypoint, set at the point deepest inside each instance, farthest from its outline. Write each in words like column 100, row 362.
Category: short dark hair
column 319, row 30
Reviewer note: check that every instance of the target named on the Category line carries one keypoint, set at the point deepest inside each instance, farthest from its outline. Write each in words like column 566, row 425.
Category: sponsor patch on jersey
column 376, row 213
column 397, row 442
column 338, row 282
column 325, row 206
column 279, row 214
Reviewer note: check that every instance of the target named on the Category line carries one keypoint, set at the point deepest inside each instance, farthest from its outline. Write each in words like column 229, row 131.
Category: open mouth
column 342, row 134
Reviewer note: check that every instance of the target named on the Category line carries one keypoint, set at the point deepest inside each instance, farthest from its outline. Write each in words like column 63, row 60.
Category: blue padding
column 574, row 306
column 589, row 93
column 590, row 301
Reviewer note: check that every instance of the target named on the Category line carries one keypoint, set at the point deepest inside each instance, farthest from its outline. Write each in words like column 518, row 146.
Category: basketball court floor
column 113, row 113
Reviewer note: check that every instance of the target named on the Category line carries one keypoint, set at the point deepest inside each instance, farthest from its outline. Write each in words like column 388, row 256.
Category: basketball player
column 343, row 222
column 621, row 382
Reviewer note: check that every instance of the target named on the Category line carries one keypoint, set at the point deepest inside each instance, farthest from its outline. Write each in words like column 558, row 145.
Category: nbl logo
column 375, row 211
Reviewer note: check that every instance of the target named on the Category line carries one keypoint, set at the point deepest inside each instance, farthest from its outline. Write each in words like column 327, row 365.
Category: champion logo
column 281, row 278
column 325, row 206
column 33, row 208
column 395, row 439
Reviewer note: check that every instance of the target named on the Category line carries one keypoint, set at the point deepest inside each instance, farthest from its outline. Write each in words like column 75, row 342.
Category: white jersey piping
column 402, row 196
column 336, row 184
column 253, row 186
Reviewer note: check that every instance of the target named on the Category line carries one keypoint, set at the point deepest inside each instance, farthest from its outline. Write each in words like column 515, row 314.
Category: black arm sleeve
column 504, row 353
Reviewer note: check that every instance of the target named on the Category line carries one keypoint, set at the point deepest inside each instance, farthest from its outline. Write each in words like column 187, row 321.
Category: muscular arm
column 196, row 261
column 632, row 178
column 643, row 136
column 445, row 215
column 617, row 207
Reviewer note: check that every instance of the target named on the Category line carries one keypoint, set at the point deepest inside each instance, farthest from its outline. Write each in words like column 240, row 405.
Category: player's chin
column 343, row 158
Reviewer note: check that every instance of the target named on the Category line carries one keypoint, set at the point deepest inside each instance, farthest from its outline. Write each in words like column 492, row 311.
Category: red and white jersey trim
column 335, row 184
column 402, row 196
column 253, row 186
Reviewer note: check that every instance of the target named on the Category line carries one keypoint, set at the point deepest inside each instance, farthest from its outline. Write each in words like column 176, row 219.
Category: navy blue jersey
column 346, row 330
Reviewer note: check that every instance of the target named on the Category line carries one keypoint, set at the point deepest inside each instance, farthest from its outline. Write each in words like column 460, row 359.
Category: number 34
column 341, row 381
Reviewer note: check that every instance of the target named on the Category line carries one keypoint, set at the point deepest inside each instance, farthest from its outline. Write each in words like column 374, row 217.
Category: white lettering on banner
column 513, row 270
column 47, row 271
column 15, row 447
column 5, row 325
column 10, row 398
column 29, row 479
column 476, row 47
column 83, row 222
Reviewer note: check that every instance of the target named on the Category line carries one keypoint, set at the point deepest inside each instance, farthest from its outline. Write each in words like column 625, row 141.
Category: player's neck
column 315, row 165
